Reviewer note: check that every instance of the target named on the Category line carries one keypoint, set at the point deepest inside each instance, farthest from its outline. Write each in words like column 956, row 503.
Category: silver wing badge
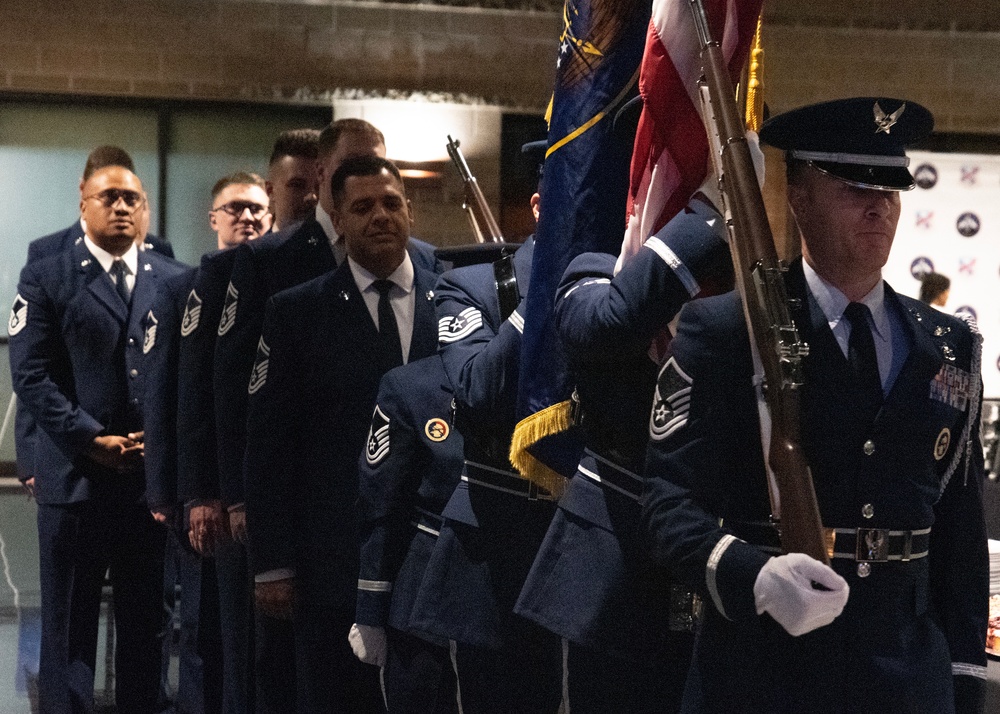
column 885, row 122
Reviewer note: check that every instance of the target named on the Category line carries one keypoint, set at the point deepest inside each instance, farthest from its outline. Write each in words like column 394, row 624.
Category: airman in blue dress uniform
column 410, row 467
column 898, row 621
column 591, row 581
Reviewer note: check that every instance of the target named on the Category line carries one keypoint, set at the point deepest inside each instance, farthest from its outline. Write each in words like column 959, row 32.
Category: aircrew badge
column 259, row 375
column 18, row 316
column 229, row 309
column 378, row 438
column 149, row 339
column 671, row 403
column 192, row 313
column 437, row 429
column 455, row 327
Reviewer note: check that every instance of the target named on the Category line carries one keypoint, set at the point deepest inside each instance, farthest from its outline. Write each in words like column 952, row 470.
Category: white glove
column 784, row 589
column 368, row 643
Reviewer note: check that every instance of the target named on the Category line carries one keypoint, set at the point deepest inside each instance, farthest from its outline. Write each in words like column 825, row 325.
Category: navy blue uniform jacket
column 410, row 466
column 197, row 466
column 591, row 581
column 908, row 627
column 63, row 365
column 160, row 344
column 262, row 268
column 311, row 398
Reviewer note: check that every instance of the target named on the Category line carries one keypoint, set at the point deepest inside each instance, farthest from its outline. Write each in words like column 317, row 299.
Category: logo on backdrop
column 920, row 267
column 968, row 224
column 965, row 312
column 924, row 219
column 970, row 175
column 967, row 266
column 925, row 175
column 998, row 363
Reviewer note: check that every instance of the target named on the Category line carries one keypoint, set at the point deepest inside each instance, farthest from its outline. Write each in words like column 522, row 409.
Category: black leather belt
column 509, row 482
column 864, row 545
column 610, row 475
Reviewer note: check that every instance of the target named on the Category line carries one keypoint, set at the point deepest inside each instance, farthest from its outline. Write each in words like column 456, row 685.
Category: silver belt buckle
column 872, row 545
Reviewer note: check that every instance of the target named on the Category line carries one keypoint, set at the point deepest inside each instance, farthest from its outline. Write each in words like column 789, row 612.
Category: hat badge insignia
column 885, row 122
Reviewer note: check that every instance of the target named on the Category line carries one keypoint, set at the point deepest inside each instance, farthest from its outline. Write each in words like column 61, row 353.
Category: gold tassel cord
column 548, row 421
column 755, row 81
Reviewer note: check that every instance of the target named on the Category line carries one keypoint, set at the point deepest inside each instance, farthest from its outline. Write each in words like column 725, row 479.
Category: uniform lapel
column 423, row 342
column 144, row 289
column 99, row 283
column 922, row 363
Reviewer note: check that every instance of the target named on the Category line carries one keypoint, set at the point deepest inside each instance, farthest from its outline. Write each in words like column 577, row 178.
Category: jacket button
column 868, row 510
column 869, row 447
column 864, row 570
column 133, row 373
column 131, row 341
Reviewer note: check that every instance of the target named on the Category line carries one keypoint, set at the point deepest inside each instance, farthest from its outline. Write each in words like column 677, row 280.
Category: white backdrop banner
column 950, row 224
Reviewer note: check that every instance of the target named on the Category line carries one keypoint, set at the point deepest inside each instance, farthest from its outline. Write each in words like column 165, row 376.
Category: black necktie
column 390, row 351
column 862, row 358
column 118, row 272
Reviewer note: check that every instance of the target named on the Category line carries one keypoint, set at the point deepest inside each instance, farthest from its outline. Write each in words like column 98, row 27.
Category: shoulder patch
column 671, row 402
column 192, row 313
column 149, row 339
column 378, row 438
column 18, row 315
column 437, row 429
column 456, row 327
column 259, row 374
column 228, row 318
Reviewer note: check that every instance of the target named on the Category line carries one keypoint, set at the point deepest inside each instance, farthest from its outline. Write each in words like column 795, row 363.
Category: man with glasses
column 76, row 335
column 240, row 213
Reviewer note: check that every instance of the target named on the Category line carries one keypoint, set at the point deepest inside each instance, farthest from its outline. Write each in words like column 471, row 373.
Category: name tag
column 951, row 386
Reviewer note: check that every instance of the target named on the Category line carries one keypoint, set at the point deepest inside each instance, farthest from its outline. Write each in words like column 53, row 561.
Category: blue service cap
column 861, row 141
column 534, row 155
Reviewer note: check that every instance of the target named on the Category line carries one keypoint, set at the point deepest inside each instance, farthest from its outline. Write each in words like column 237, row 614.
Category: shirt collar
column 833, row 302
column 130, row 257
column 323, row 218
column 402, row 277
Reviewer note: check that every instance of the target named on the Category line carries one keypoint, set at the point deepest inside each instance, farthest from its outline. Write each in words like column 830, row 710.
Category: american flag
column 670, row 159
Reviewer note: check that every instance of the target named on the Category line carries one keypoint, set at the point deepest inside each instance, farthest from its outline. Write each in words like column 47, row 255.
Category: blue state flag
column 583, row 208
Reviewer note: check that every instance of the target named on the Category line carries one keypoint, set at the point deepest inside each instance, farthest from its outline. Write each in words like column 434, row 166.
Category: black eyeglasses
column 236, row 208
column 111, row 196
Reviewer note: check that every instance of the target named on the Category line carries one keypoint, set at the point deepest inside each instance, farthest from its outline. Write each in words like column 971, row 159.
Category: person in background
column 292, row 180
column 934, row 289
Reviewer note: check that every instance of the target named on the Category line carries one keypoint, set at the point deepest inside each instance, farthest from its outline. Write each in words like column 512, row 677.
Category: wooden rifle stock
column 760, row 280
column 484, row 226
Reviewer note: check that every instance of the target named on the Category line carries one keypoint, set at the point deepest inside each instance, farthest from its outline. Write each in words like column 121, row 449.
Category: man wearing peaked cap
column 889, row 407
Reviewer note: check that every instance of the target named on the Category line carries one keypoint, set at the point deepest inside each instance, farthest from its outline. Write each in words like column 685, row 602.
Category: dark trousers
column 200, row 677
column 331, row 680
column 604, row 684
column 419, row 677
column 523, row 676
column 236, row 613
column 274, row 646
column 78, row 544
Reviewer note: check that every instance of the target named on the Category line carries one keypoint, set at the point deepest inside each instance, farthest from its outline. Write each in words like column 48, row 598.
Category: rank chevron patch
column 228, row 318
column 455, row 327
column 671, row 403
column 259, row 375
column 18, row 316
column 149, row 338
column 378, row 438
column 192, row 313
